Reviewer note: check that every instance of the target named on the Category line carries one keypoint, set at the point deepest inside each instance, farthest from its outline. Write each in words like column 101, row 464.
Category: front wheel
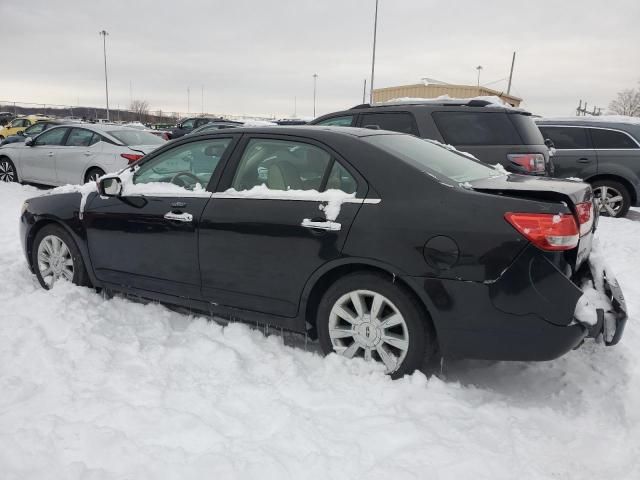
column 366, row 315
column 55, row 256
column 7, row 170
column 612, row 198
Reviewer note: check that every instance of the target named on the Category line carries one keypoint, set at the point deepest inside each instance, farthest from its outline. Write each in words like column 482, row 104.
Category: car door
column 82, row 146
column 574, row 155
column 147, row 237
column 617, row 151
column 265, row 230
column 38, row 161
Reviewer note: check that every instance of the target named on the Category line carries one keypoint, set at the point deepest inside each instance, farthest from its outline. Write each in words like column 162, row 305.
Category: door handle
column 87, row 154
column 329, row 226
column 50, row 154
column 179, row 217
column 584, row 160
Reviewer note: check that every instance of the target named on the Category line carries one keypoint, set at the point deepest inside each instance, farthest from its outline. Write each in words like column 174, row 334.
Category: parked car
column 6, row 117
column 216, row 125
column 492, row 133
column 18, row 125
column 164, row 134
column 305, row 228
column 33, row 130
column 189, row 124
column 604, row 151
column 74, row 154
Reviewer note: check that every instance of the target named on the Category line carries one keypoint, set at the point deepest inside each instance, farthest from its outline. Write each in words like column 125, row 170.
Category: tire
column 55, row 251
column 618, row 198
column 8, row 172
column 93, row 174
column 413, row 341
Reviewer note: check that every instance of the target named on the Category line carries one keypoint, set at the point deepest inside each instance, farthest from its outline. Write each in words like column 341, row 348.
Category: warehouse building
column 434, row 90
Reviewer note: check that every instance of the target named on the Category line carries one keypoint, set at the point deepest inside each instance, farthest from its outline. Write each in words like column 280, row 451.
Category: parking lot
column 112, row 388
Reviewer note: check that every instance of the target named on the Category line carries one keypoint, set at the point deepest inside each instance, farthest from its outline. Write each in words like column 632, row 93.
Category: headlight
column 24, row 207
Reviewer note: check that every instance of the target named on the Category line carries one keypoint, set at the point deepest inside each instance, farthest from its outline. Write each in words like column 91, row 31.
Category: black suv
column 602, row 151
column 491, row 133
column 189, row 124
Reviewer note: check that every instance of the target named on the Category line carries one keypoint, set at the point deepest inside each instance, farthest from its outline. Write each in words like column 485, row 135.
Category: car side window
column 36, row 128
column 402, row 122
column 476, row 128
column 95, row 139
column 185, row 165
column 200, row 122
column 343, row 121
column 611, row 139
column 281, row 165
column 340, row 179
column 188, row 124
column 51, row 137
column 21, row 122
column 566, row 138
column 79, row 137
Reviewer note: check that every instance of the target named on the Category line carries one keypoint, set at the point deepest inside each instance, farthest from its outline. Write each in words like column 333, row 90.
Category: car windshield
column 136, row 137
column 425, row 154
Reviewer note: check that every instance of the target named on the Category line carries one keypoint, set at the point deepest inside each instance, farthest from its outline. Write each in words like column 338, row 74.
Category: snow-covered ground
column 97, row 389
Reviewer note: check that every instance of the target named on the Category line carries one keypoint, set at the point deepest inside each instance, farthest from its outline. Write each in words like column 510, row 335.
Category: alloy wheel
column 7, row 172
column 366, row 323
column 54, row 260
column 609, row 200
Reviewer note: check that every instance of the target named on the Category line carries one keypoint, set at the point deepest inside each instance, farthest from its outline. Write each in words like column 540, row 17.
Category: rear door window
column 79, row 137
column 402, row 122
column 55, row 136
column 610, row 139
column 477, row 128
column 342, row 121
column 567, row 138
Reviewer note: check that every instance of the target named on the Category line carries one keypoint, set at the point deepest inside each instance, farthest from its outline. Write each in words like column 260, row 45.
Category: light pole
column 104, row 34
column 373, row 57
column 315, row 80
column 479, row 68
column 188, row 99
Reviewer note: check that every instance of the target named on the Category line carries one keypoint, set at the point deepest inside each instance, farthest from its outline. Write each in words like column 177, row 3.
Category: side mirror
column 110, row 187
column 28, row 142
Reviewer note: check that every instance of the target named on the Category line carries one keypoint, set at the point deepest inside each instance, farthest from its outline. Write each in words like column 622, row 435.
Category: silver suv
column 604, row 151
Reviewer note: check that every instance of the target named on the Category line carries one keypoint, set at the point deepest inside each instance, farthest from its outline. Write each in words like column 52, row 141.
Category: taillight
column 546, row 230
column 529, row 162
column 585, row 217
column 131, row 157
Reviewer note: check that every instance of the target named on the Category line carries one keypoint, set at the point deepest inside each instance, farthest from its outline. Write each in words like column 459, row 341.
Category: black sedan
column 387, row 246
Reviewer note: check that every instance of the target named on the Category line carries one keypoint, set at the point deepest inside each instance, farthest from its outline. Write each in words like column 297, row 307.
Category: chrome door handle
column 87, row 153
column 179, row 217
column 329, row 226
column 50, row 154
column 584, row 160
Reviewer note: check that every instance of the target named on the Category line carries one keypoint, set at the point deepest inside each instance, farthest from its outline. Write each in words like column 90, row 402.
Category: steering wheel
column 181, row 183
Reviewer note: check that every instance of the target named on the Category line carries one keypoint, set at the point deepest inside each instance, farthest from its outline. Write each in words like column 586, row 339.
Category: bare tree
column 627, row 103
column 140, row 108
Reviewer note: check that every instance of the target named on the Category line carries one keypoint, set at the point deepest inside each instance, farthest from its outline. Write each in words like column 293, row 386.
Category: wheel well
column 88, row 170
column 325, row 281
column 622, row 180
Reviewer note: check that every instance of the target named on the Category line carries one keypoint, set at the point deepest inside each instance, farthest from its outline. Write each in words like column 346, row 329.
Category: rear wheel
column 7, row 170
column 93, row 174
column 366, row 315
column 612, row 197
column 55, row 256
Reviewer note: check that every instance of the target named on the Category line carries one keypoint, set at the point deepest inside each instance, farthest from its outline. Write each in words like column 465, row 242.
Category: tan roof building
column 420, row 90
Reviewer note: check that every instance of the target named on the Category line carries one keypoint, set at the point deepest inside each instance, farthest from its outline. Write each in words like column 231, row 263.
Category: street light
column 104, row 34
column 315, row 80
column 479, row 68
column 373, row 57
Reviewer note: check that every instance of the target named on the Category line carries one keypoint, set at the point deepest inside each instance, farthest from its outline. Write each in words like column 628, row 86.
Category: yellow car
column 19, row 124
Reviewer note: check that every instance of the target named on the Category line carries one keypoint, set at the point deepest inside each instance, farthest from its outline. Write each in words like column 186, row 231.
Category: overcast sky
column 255, row 56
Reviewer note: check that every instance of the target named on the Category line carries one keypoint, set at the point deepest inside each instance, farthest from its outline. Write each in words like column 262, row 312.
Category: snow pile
column 102, row 389
column 494, row 101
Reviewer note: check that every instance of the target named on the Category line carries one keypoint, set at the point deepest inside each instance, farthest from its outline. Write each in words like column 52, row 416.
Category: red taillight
column 546, row 230
column 585, row 217
column 131, row 157
column 530, row 162
column 165, row 136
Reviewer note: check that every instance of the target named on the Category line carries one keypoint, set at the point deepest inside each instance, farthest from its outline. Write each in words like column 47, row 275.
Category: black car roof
column 306, row 130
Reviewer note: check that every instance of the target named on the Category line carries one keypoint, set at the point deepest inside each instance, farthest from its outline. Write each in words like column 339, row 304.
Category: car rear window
column 136, row 137
column 477, row 128
column 425, row 154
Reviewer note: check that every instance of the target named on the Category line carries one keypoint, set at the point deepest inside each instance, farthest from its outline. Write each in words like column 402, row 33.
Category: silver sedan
column 72, row 154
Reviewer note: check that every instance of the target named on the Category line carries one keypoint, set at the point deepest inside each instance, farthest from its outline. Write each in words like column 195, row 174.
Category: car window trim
column 227, row 176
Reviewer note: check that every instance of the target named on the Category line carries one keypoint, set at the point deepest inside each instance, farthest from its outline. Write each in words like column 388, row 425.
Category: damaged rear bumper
column 601, row 308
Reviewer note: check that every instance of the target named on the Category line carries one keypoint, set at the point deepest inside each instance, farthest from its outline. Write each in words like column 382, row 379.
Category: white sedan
column 72, row 154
